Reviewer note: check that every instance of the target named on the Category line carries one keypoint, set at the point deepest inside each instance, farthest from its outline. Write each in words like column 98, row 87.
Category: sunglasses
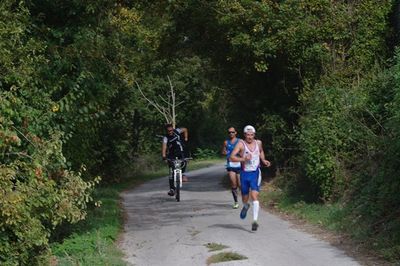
column 232, row 132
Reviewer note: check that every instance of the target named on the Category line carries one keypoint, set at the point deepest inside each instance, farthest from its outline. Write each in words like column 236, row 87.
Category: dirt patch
column 341, row 241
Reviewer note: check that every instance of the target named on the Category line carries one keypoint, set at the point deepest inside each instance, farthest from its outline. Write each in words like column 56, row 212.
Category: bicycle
column 177, row 165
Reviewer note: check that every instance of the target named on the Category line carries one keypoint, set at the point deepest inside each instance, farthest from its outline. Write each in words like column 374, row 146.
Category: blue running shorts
column 250, row 180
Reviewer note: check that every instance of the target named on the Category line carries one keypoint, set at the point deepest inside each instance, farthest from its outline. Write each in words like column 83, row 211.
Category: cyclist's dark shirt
column 175, row 145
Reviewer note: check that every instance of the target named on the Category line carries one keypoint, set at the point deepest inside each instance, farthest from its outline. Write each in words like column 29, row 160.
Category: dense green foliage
column 316, row 77
column 38, row 192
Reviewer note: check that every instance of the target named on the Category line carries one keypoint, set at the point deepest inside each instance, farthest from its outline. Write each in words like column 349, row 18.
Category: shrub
column 205, row 153
column 38, row 193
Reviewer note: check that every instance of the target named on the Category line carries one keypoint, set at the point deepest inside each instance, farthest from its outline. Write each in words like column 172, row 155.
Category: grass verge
column 225, row 256
column 92, row 241
column 327, row 215
column 215, row 247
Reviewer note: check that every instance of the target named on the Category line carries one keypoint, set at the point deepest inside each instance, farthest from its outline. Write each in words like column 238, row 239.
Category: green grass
column 92, row 241
column 215, row 246
column 193, row 165
column 225, row 256
column 327, row 215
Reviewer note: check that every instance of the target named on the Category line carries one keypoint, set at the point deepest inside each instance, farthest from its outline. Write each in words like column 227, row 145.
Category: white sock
column 256, row 208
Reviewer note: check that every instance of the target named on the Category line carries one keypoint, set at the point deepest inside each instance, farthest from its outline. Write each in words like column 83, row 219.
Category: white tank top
column 254, row 163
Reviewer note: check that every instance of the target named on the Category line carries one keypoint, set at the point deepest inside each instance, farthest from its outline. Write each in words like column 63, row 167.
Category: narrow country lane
column 160, row 231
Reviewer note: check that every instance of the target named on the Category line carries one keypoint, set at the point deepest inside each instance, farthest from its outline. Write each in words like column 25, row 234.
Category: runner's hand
column 266, row 163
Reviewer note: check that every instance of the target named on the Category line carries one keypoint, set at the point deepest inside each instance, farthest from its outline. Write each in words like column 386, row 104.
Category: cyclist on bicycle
column 233, row 168
column 173, row 146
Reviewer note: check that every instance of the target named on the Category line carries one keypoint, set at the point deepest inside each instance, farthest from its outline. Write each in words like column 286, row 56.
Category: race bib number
column 234, row 164
column 252, row 165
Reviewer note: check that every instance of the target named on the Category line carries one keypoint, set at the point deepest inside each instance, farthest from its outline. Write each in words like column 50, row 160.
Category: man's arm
column 223, row 151
column 236, row 153
column 164, row 150
column 185, row 133
column 262, row 155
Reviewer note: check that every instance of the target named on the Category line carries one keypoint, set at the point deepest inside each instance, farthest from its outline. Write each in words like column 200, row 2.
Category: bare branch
column 24, row 136
column 19, row 154
column 164, row 100
column 158, row 107
column 376, row 120
column 167, row 104
column 179, row 103
column 173, row 102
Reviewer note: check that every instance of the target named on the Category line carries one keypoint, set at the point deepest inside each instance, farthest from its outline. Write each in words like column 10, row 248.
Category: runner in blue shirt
column 233, row 168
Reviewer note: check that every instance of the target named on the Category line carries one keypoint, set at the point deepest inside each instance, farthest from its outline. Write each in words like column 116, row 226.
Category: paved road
column 160, row 231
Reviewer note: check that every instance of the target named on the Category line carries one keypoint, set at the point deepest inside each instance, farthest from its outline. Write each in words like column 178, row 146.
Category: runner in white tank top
column 254, row 163
column 251, row 153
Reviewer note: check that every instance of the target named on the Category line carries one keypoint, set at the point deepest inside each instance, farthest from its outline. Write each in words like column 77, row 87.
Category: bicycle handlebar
column 183, row 159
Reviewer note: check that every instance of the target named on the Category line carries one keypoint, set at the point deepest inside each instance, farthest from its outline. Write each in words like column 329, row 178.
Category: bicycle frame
column 177, row 172
column 177, row 175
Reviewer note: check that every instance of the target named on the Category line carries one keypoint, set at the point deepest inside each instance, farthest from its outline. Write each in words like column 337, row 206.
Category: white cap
column 249, row 129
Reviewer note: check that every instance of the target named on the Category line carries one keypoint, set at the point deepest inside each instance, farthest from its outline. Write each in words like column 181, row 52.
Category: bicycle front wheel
column 178, row 178
column 178, row 193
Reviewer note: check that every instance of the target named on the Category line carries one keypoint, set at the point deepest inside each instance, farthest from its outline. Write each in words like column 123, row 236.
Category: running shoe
column 171, row 192
column 235, row 205
column 254, row 226
column 244, row 210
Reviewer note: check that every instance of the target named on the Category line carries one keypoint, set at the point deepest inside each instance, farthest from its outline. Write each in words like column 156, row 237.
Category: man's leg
column 246, row 206
column 256, row 208
column 238, row 178
column 245, row 199
column 255, row 188
column 234, row 186
column 171, row 191
column 245, row 188
column 184, row 177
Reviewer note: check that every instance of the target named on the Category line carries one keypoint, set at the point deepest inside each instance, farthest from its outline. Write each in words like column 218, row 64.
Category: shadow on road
column 165, row 211
column 231, row 226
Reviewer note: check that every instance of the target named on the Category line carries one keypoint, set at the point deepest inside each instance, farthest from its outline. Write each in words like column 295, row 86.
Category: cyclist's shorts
column 234, row 169
column 250, row 180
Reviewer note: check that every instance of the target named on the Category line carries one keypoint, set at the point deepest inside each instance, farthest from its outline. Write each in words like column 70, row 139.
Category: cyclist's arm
column 237, row 151
column 185, row 133
column 223, row 151
column 262, row 154
column 164, row 149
